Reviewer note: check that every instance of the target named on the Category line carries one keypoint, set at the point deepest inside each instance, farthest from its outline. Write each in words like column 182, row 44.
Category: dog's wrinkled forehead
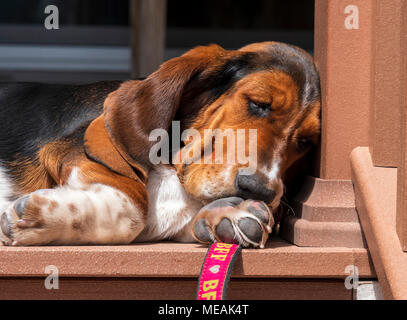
column 296, row 63
column 271, row 56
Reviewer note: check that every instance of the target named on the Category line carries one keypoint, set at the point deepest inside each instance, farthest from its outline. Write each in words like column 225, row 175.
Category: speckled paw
column 21, row 223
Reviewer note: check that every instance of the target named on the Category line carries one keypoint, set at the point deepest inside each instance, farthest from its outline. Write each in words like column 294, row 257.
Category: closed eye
column 303, row 144
column 261, row 110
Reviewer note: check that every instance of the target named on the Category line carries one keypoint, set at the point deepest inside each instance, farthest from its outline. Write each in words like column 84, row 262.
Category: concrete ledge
column 279, row 260
column 376, row 197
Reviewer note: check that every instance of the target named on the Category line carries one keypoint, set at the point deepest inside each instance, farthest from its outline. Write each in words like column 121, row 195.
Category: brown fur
column 114, row 148
column 119, row 138
column 30, row 175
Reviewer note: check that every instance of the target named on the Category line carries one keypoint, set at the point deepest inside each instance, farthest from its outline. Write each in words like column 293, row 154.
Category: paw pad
column 5, row 225
column 225, row 231
column 201, row 232
column 251, row 229
column 20, row 205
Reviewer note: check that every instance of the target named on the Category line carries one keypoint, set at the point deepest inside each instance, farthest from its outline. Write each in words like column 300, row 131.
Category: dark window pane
column 242, row 14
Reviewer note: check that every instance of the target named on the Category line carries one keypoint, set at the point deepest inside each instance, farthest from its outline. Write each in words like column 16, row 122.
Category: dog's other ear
column 138, row 107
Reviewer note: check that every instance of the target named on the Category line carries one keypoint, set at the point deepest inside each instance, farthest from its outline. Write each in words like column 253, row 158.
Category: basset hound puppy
column 75, row 162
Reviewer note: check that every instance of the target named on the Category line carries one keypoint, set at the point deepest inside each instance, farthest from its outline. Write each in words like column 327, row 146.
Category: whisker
column 290, row 209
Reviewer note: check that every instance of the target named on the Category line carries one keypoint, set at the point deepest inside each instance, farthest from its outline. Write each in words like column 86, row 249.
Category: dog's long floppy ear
column 138, row 107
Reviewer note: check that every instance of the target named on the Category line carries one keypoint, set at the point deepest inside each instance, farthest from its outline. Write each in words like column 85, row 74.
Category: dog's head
column 270, row 87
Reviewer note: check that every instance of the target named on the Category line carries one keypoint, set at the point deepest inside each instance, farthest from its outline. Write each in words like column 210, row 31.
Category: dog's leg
column 234, row 220
column 79, row 212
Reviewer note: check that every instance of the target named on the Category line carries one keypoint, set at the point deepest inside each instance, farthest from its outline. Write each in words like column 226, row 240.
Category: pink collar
column 216, row 270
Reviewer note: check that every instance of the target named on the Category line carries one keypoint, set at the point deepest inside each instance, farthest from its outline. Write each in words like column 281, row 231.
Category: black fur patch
column 232, row 71
column 205, row 88
column 33, row 114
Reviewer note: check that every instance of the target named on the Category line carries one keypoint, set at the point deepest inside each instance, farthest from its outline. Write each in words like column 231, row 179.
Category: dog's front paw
column 22, row 222
column 231, row 220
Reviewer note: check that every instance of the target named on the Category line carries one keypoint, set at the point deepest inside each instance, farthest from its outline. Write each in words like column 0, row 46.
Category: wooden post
column 148, row 24
column 384, row 135
column 401, row 217
column 343, row 41
column 388, row 115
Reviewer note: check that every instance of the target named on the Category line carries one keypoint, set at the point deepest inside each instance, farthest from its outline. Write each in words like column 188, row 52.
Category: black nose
column 252, row 187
